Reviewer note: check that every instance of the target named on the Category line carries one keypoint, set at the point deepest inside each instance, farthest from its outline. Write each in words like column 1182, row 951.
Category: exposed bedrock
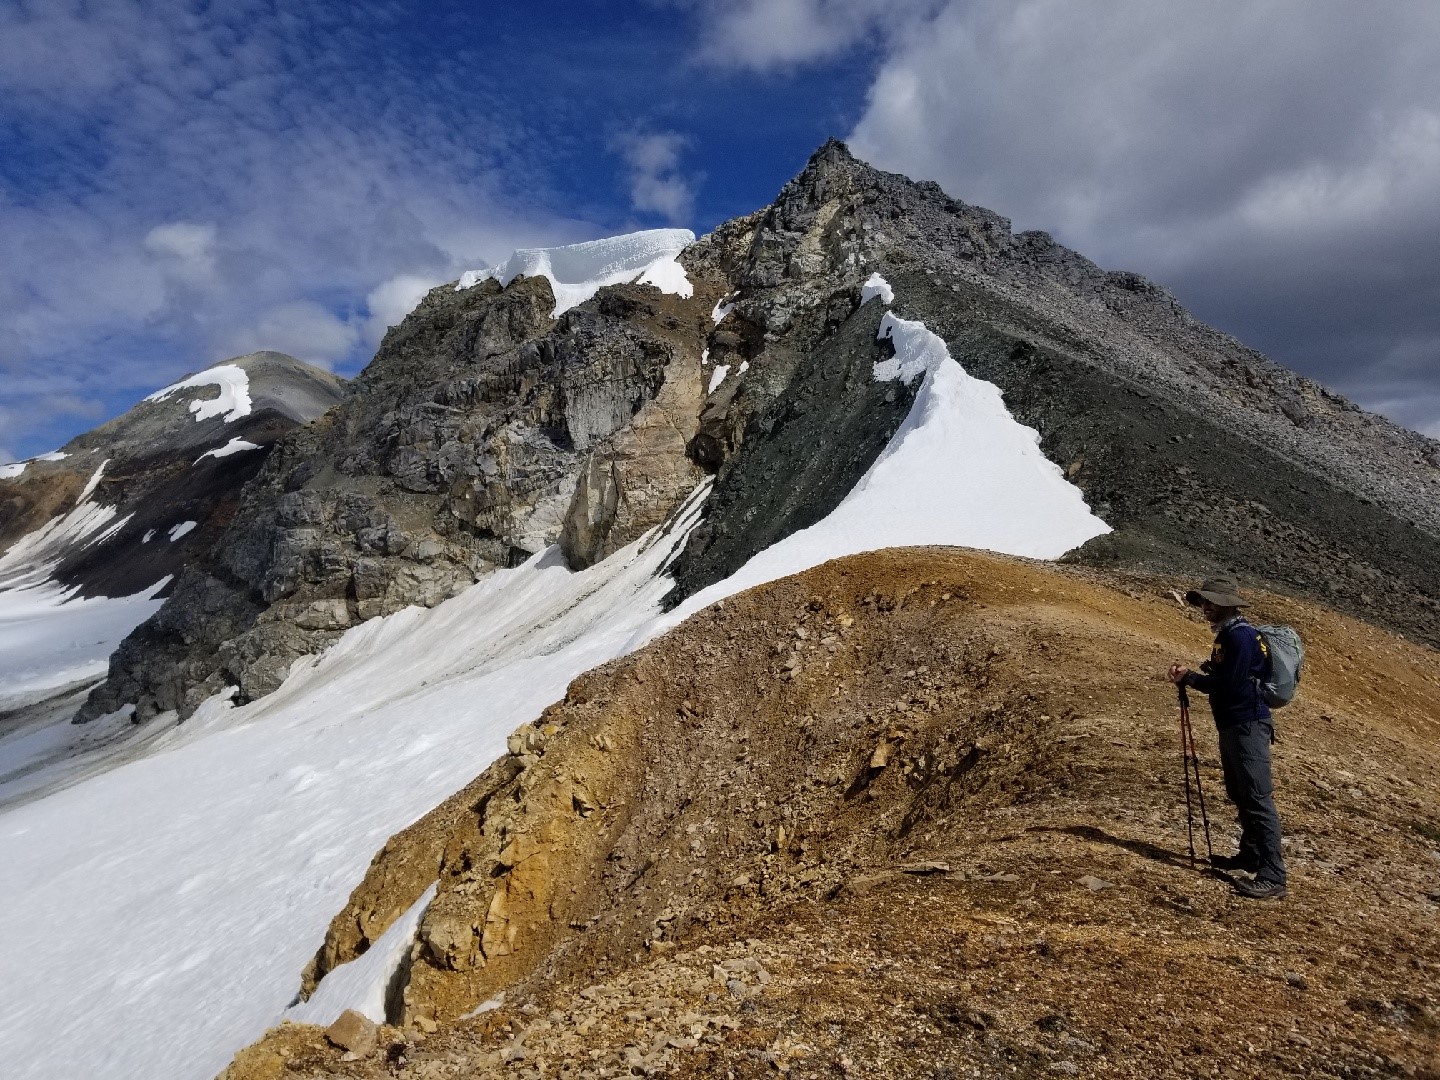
column 159, row 466
column 891, row 746
column 459, row 450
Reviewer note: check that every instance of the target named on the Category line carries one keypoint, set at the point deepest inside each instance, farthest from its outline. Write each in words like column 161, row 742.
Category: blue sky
column 182, row 181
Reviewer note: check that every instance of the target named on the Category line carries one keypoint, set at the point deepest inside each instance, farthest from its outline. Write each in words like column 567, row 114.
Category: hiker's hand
column 1178, row 672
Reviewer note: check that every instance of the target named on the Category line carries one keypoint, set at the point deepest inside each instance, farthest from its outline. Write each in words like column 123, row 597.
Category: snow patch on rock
column 30, row 559
column 959, row 471
column 875, row 285
column 236, row 445
column 717, row 377
column 233, row 400
column 578, row 271
column 361, row 984
column 185, row 528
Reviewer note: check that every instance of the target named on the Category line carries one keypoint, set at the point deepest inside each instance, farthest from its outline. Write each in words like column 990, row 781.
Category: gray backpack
column 1282, row 677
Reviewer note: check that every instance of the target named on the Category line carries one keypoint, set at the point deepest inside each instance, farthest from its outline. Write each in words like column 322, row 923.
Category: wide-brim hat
column 1220, row 591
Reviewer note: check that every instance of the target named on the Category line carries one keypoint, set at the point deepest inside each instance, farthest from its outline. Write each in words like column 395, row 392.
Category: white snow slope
column 158, row 914
column 577, row 272
column 49, row 638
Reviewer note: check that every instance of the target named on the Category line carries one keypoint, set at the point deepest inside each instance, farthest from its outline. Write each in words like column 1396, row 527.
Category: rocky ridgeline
column 485, row 430
column 904, row 813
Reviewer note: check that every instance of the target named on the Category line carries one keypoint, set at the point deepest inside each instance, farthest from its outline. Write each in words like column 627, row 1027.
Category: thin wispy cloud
column 769, row 35
column 181, row 180
column 182, row 188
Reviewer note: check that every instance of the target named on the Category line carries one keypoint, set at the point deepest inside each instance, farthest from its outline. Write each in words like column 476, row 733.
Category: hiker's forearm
column 1197, row 680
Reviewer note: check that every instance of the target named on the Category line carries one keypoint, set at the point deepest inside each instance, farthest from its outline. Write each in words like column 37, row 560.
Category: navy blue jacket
column 1237, row 661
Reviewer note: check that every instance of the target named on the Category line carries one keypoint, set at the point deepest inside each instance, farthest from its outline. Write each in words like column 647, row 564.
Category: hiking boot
column 1247, row 863
column 1261, row 889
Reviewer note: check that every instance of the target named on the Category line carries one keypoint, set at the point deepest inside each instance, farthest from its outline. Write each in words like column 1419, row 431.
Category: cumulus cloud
column 657, row 184
column 189, row 243
column 188, row 249
column 390, row 301
column 1276, row 163
column 301, row 328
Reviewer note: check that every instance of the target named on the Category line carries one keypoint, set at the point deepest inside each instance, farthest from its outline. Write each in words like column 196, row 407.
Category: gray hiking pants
column 1245, row 758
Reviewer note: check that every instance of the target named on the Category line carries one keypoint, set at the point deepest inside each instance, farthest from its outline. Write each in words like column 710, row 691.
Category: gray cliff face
column 484, row 431
column 461, row 448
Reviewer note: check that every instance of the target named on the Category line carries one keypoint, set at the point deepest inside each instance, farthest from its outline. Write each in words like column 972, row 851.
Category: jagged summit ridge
column 487, row 429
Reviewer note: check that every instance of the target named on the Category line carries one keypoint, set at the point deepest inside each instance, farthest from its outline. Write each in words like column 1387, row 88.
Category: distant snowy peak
column 233, row 401
column 578, row 271
column 79, row 517
column 11, row 471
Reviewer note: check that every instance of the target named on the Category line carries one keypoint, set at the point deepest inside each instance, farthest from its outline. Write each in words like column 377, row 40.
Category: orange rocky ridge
column 916, row 813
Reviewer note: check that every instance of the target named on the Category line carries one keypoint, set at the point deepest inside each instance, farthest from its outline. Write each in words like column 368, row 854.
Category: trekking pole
column 1192, row 759
column 1185, row 765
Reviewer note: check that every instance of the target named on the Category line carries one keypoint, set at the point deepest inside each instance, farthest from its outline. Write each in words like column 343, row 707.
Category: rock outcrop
column 482, row 426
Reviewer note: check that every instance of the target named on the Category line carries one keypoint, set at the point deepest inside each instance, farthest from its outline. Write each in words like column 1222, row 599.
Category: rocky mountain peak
column 487, row 429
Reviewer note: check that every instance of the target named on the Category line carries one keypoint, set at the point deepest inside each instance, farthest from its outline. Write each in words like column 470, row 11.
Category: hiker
column 1231, row 678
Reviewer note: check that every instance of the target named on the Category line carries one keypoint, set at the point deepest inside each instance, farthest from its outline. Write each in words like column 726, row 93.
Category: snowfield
column 50, row 639
column 578, row 271
column 158, row 914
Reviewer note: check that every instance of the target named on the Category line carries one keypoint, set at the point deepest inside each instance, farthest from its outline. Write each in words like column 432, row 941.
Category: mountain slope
column 544, row 464
column 92, row 535
column 1200, row 453
column 911, row 810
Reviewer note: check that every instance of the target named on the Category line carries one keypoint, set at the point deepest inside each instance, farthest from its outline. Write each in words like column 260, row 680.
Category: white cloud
column 770, row 34
column 187, row 251
column 390, row 301
column 217, row 163
column 303, row 329
column 182, row 240
column 1277, row 163
column 657, row 184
